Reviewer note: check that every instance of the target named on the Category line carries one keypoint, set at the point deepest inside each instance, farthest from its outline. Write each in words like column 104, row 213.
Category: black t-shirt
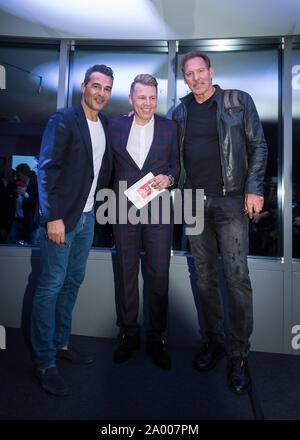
column 201, row 148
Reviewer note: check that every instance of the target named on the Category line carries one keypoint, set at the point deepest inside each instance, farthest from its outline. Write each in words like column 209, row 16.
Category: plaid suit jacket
column 163, row 156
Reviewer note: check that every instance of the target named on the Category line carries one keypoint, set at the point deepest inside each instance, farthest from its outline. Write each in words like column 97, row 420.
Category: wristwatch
column 171, row 179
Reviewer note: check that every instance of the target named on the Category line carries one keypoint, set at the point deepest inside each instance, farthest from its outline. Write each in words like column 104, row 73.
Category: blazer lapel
column 84, row 131
column 127, row 123
column 151, row 152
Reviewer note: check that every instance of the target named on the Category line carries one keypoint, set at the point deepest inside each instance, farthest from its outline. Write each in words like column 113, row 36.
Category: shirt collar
column 143, row 126
column 189, row 97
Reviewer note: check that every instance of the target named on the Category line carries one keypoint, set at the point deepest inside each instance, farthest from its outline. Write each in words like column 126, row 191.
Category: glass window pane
column 255, row 72
column 126, row 65
column 28, row 83
column 31, row 78
column 296, row 151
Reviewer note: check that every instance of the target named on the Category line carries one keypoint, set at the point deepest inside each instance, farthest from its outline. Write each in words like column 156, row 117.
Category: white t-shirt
column 139, row 141
column 98, row 143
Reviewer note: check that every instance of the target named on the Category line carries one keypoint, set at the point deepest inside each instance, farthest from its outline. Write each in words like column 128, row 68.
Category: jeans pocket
column 61, row 245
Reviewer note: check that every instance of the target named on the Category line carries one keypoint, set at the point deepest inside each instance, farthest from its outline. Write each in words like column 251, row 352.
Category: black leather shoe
column 126, row 348
column 239, row 379
column 158, row 354
column 74, row 356
column 52, row 382
column 209, row 355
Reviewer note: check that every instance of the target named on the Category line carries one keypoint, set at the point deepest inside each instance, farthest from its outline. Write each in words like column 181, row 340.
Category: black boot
column 239, row 379
column 209, row 354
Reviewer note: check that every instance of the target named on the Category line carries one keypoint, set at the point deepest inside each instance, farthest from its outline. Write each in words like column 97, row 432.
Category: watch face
column 171, row 179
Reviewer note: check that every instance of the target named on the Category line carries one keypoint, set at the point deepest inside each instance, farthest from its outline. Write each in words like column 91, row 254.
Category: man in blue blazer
column 75, row 160
column 142, row 143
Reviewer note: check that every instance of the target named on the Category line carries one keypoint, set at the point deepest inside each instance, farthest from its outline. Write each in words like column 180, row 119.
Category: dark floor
column 139, row 390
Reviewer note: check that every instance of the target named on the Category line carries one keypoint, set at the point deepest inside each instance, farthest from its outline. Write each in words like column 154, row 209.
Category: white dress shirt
column 139, row 141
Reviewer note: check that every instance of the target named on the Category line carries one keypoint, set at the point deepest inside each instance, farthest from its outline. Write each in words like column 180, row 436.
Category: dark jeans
column 225, row 231
column 62, row 272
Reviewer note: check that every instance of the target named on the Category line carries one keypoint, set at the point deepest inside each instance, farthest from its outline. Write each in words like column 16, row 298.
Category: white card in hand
column 142, row 192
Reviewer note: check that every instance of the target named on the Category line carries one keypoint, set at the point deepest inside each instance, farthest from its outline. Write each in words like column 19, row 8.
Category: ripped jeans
column 225, row 232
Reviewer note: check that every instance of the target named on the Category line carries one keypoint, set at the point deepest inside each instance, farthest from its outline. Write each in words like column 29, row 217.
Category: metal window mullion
column 63, row 73
column 171, row 93
column 287, row 191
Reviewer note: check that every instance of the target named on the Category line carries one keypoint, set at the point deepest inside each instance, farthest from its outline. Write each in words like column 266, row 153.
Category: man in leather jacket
column 223, row 151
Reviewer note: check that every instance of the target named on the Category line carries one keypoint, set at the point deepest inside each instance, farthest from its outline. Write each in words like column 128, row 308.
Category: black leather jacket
column 243, row 149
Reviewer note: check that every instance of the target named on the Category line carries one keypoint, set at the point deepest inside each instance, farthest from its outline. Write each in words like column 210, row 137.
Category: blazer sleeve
column 51, row 160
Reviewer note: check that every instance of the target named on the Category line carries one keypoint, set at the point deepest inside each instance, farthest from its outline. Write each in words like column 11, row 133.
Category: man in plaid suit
column 142, row 143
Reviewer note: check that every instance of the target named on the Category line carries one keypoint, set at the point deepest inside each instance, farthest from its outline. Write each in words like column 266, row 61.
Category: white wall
column 149, row 19
column 94, row 313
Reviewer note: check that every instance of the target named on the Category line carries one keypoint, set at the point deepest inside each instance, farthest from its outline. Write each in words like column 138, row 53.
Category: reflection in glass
column 28, row 83
column 31, row 84
column 126, row 65
column 296, row 152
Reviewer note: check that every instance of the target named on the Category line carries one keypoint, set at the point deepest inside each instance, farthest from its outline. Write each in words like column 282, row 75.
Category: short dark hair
column 194, row 54
column 102, row 68
column 143, row 78
column 24, row 169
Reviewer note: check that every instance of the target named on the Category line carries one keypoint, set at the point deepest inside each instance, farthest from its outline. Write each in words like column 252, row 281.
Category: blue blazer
column 65, row 170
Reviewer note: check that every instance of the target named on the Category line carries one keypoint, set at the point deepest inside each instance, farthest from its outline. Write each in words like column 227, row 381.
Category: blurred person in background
column 25, row 223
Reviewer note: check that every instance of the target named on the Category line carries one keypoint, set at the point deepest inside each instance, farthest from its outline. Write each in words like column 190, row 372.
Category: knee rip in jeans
column 237, row 276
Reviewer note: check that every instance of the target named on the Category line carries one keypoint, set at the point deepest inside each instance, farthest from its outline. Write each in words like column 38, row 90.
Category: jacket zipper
column 220, row 150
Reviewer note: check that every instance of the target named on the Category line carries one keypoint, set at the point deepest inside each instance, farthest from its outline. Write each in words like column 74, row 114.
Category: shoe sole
column 75, row 363
column 240, row 393
column 165, row 368
column 127, row 359
column 159, row 365
column 212, row 366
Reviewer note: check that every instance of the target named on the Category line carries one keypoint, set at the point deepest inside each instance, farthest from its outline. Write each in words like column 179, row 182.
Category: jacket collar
column 80, row 113
column 216, row 96
column 126, row 127
column 84, row 129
